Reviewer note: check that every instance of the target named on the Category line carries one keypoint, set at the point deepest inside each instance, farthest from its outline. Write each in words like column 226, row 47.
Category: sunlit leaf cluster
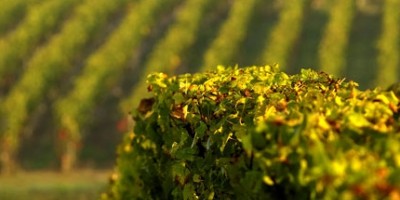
column 256, row 132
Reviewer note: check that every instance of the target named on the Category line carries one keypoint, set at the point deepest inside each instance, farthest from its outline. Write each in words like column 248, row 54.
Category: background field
column 70, row 71
column 46, row 185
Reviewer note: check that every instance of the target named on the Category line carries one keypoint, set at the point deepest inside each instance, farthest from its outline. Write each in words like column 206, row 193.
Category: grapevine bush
column 258, row 133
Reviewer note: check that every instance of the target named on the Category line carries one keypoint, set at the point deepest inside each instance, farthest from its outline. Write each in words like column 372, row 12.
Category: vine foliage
column 258, row 133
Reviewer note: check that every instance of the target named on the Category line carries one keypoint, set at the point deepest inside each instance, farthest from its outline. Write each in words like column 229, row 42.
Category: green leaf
column 189, row 192
column 197, row 178
column 185, row 154
column 178, row 98
column 201, row 129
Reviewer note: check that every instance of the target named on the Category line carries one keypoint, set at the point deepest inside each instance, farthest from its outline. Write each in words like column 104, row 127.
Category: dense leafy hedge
column 258, row 133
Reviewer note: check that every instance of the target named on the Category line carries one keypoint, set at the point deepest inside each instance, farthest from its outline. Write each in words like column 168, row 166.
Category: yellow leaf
column 322, row 123
column 338, row 101
column 269, row 111
column 338, row 168
column 383, row 98
column 185, row 111
column 303, row 164
column 358, row 120
column 356, row 165
column 260, row 99
column 127, row 148
column 397, row 160
column 131, row 135
column 267, row 180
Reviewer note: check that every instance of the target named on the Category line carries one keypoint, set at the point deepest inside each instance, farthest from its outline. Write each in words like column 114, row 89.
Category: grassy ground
column 48, row 185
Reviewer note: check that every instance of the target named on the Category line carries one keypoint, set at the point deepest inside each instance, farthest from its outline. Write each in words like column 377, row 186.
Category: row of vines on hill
column 45, row 68
column 388, row 44
column 37, row 26
column 231, row 35
column 332, row 51
column 166, row 56
column 284, row 35
column 102, row 69
column 11, row 12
